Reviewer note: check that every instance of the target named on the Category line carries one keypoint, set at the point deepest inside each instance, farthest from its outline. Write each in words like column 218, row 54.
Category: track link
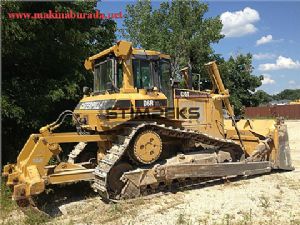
column 118, row 150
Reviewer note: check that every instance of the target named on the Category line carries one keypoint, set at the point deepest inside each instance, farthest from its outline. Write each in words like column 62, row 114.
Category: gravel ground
column 267, row 199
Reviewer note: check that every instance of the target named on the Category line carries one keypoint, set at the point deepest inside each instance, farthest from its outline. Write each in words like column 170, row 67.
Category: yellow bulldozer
column 148, row 134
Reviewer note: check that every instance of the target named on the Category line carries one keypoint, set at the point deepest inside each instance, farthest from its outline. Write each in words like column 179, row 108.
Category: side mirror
column 86, row 90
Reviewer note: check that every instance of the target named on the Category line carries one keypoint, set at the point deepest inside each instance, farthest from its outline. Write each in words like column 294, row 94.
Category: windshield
column 102, row 75
column 142, row 74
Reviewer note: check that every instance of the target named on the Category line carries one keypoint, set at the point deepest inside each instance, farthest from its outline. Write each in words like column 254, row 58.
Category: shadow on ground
column 57, row 196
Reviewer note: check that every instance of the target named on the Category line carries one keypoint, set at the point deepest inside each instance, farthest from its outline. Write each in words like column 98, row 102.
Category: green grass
column 183, row 219
column 115, row 209
column 31, row 216
column 264, row 201
column 34, row 217
column 7, row 205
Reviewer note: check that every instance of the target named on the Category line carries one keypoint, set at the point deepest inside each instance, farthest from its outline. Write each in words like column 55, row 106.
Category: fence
column 286, row 111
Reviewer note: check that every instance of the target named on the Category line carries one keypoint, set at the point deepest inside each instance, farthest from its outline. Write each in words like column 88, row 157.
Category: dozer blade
column 269, row 138
column 283, row 155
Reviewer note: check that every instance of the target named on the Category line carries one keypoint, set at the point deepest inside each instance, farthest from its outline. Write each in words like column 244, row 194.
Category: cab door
column 165, row 80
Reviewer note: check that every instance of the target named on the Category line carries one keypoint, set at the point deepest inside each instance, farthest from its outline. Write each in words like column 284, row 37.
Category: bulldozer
column 148, row 133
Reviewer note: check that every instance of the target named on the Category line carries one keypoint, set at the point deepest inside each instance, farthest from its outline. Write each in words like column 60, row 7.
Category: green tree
column 42, row 66
column 237, row 76
column 288, row 94
column 177, row 28
column 180, row 29
column 262, row 98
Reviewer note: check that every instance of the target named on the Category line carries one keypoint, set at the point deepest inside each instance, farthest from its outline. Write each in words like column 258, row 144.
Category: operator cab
column 148, row 73
column 134, row 71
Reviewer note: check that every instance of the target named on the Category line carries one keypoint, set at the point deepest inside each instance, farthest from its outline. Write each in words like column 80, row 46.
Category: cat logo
column 184, row 94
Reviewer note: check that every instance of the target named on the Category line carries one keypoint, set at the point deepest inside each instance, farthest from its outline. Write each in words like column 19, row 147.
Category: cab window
column 119, row 80
column 164, row 76
column 142, row 74
column 103, row 73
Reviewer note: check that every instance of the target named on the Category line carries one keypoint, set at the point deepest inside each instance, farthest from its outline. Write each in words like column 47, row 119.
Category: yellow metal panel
column 122, row 49
column 261, row 127
column 71, row 176
column 101, row 54
column 74, row 137
column 211, row 118
column 128, row 82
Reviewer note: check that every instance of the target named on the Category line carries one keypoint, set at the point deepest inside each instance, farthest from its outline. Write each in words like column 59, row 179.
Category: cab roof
column 123, row 49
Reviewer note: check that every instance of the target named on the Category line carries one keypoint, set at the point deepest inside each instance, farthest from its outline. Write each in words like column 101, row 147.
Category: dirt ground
column 267, row 199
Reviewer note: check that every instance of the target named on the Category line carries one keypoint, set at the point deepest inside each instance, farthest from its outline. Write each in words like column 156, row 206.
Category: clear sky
column 270, row 30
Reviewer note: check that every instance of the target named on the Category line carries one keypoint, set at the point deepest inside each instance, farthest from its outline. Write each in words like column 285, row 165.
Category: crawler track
column 118, row 150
